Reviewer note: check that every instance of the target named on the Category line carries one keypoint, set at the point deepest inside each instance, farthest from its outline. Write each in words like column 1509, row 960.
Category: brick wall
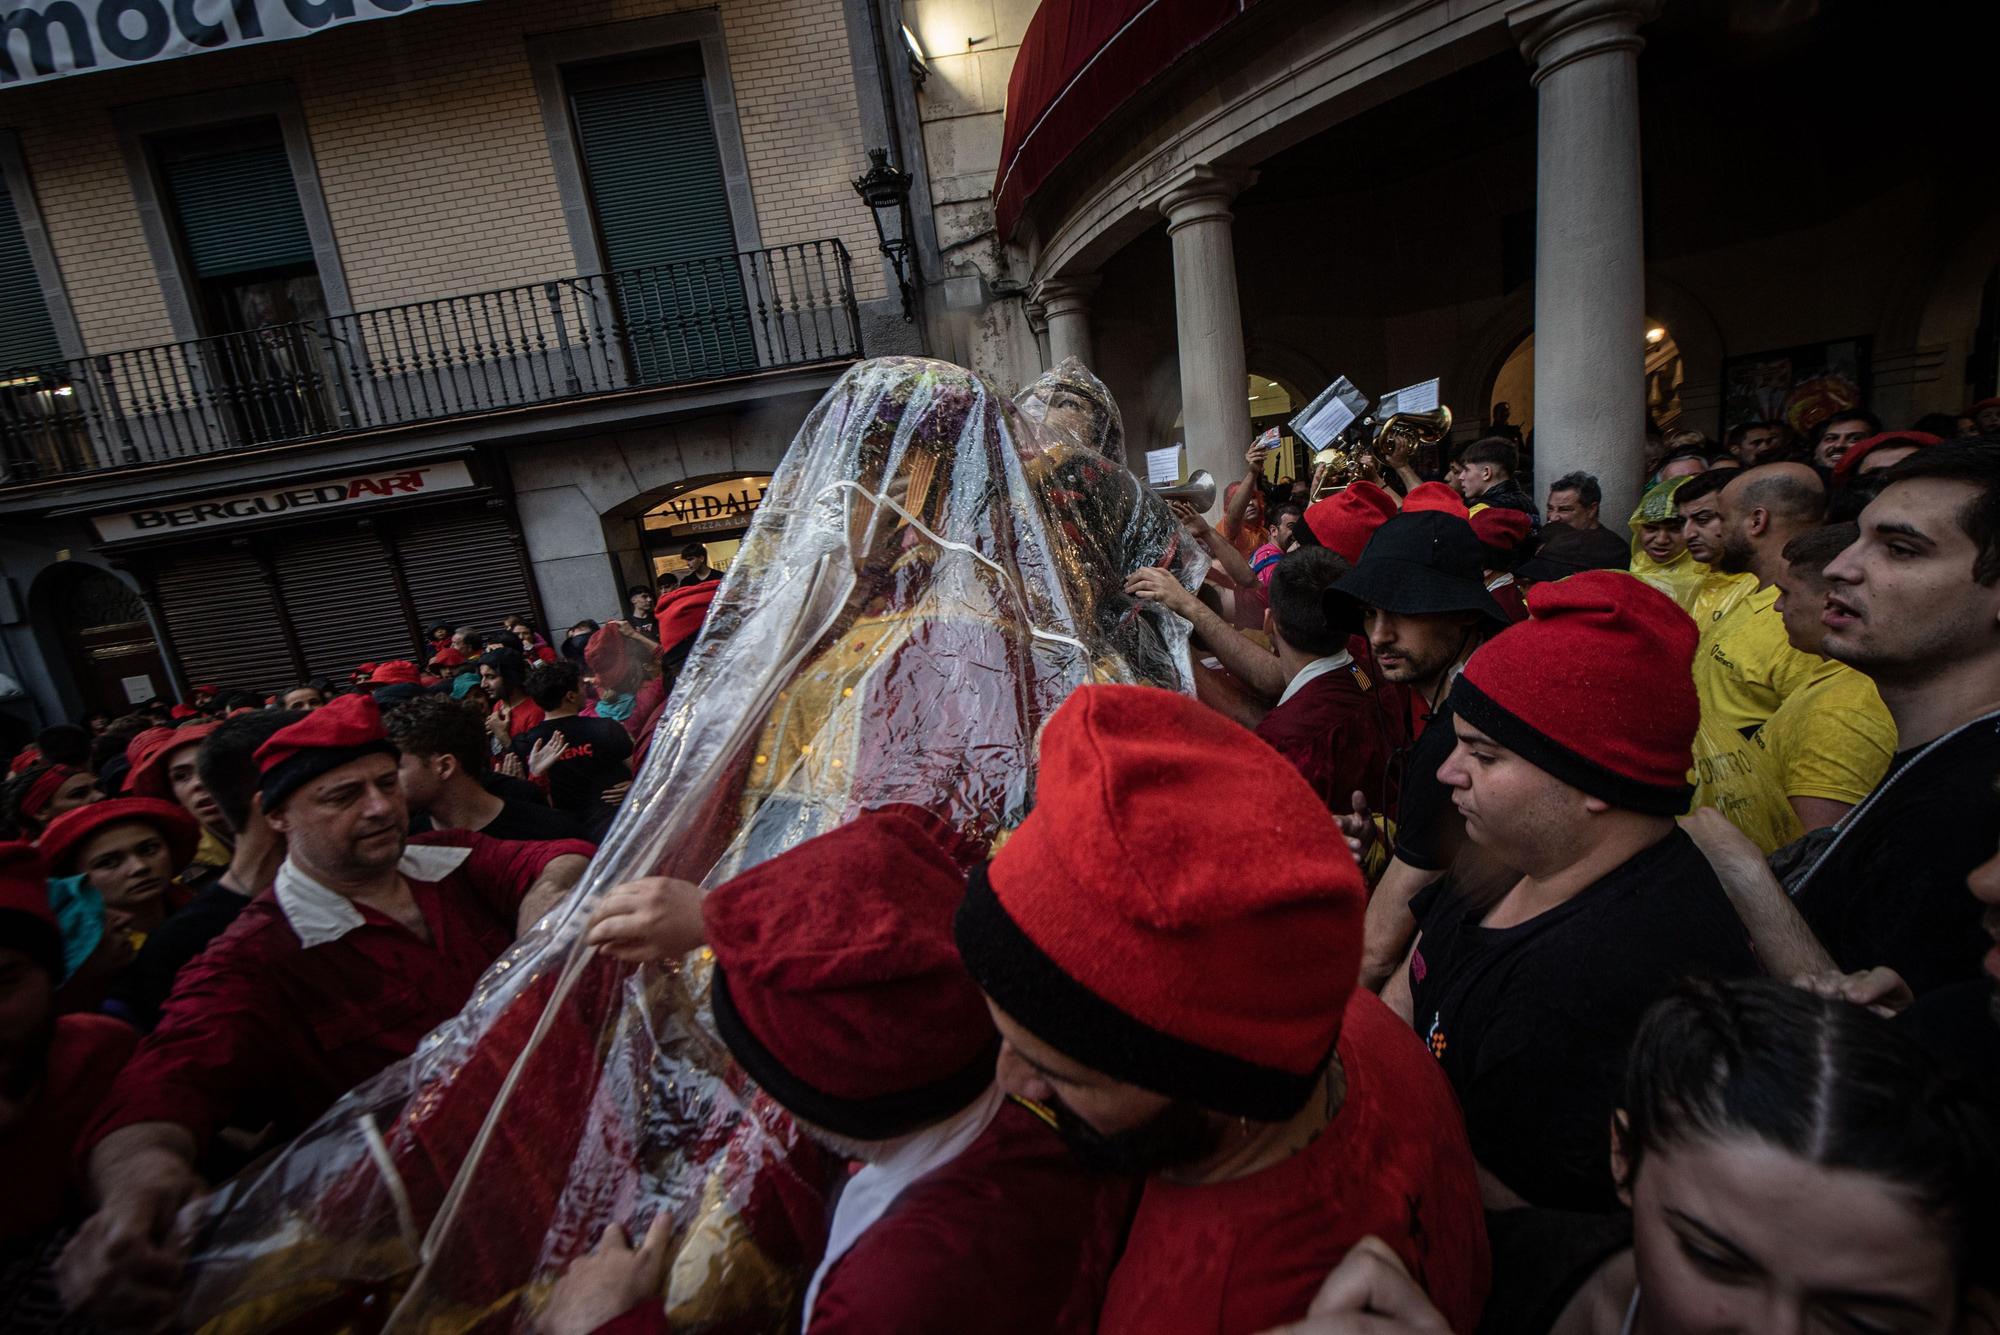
column 432, row 154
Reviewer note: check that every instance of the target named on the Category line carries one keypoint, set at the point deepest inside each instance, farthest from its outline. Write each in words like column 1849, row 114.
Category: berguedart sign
column 303, row 498
column 48, row 39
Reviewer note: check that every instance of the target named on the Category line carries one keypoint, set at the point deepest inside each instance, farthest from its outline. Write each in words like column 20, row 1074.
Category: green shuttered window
column 662, row 211
column 236, row 203
column 27, row 336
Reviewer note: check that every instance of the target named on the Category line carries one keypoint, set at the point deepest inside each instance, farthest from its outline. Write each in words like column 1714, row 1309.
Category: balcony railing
column 426, row 361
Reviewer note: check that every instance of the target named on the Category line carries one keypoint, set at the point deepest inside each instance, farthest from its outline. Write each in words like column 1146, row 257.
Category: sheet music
column 1421, row 397
column 1329, row 414
column 1163, row 467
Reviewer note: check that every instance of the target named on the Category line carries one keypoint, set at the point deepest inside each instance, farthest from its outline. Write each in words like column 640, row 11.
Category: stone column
column 1215, row 398
column 1590, row 278
column 1038, row 324
column 1067, row 304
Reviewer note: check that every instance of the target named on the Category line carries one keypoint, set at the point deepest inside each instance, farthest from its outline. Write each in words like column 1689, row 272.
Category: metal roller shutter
column 27, row 337
column 223, row 620
column 657, row 191
column 237, row 205
column 465, row 569
column 341, row 592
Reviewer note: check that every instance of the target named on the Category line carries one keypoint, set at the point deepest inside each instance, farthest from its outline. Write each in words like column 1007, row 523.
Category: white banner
column 47, row 39
column 332, row 494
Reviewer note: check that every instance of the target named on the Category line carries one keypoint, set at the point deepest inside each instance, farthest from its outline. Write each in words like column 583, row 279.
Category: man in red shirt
column 838, row 990
column 1329, row 722
column 53, row 1069
column 359, row 948
column 1203, row 1028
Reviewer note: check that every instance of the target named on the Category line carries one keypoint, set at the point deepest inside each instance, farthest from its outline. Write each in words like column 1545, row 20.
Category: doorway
column 107, row 638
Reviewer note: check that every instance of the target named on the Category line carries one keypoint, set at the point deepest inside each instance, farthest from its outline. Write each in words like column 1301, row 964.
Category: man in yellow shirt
column 1699, row 505
column 1745, row 666
column 1831, row 741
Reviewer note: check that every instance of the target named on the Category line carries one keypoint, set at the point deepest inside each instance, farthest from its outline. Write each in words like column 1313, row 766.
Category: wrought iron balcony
column 427, row 361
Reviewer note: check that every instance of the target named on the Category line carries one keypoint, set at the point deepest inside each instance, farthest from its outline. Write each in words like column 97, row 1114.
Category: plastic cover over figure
column 928, row 577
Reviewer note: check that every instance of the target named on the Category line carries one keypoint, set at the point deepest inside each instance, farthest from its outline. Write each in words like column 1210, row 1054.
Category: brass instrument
column 1337, row 466
column 1198, row 491
column 1424, row 429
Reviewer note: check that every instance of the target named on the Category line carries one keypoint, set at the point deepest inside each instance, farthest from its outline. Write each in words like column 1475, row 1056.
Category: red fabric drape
column 1079, row 62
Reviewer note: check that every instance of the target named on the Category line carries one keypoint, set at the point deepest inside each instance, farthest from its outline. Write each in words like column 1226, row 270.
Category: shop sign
column 48, row 39
column 709, row 509
column 332, row 494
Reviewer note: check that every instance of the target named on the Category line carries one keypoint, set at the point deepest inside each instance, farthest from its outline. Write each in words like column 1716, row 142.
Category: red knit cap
column 1499, row 529
column 342, row 731
column 1984, row 403
column 1596, row 687
column 613, row 658
column 1117, row 925
column 27, row 924
column 66, row 835
column 400, row 672
column 1861, row 449
column 836, row 983
column 1343, row 521
column 681, row 612
column 43, row 790
column 1434, row 496
column 149, row 753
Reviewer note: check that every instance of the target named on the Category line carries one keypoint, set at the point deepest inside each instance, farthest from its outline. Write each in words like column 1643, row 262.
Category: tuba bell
column 1198, row 491
column 1419, row 428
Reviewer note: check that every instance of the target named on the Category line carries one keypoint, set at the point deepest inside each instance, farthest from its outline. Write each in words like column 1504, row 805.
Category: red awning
column 1079, row 62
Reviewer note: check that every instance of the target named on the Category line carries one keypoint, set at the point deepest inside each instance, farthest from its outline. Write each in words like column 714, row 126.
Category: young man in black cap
column 1420, row 593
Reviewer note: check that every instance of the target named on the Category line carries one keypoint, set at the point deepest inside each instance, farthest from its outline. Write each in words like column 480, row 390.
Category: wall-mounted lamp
column 886, row 192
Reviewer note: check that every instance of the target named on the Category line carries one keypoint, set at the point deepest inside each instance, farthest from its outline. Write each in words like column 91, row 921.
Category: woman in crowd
column 1791, row 1163
column 40, row 793
column 130, row 850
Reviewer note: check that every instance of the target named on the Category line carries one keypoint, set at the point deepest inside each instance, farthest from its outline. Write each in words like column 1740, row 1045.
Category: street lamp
column 886, row 191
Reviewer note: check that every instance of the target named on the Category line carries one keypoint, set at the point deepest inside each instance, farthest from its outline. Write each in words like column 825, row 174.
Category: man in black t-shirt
column 443, row 762
column 1419, row 594
column 583, row 760
column 1915, row 605
column 1575, row 731
column 640, row 599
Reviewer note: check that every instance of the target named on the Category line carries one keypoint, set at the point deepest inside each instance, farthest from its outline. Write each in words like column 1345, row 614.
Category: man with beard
column 1914, row 604
column 53, row 1070
column 1187, row 1022
column 1575, row 733
column 361, row 949
column 1746, row 665
column 1419, row 591
column 838, row 990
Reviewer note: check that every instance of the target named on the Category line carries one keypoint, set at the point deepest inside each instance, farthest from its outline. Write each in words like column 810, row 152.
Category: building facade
column 482, row 308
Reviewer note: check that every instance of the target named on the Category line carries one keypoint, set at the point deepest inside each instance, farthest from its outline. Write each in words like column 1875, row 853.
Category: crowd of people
column 1527, row 923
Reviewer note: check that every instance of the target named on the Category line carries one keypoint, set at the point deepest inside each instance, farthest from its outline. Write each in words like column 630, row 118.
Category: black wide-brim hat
column 1418, row 565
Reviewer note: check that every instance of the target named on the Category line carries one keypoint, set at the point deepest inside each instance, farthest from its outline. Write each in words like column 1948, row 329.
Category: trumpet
column 1198, row 490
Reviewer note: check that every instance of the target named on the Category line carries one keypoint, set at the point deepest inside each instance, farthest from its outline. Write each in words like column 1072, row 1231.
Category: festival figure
column 895, row 628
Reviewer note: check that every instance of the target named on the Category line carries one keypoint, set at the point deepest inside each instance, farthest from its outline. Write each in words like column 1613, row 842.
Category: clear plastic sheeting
column 1072, row 406
column 925, row 582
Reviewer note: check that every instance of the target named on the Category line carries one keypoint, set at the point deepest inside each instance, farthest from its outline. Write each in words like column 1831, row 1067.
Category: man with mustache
column 1203, row 1028
column 358, row 949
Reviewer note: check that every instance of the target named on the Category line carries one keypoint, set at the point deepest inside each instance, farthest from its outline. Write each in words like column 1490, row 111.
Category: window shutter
column 466, row 570
column 222, row 619
column 656, row 188
column 238, row 207
column 341, row 594
column 27, row 336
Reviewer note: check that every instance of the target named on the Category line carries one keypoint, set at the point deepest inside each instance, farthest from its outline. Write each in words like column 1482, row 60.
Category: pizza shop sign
column 333, row 494
column 708, row 509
